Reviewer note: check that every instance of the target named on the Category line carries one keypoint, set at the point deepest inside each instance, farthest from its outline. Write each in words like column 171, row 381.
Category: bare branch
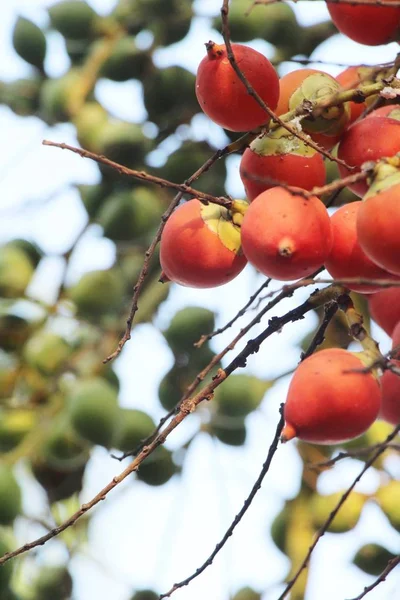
column 333, row 514
column 239, row 516
column 392, row 564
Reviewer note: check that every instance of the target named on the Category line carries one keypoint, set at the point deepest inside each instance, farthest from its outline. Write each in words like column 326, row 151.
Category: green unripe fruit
column 347, row 517
column 158, row 468
column 169, row 95
column 129, row 15
column 6, row 569
column 98, row 293
column 14, row 426
column 32, row 250
column 56, row 95
column 145, row 595
column 388, row 498
column 126, row 61
column 93, row 196
column 53, row 583
column 279, row 528
column 127, row 216
column 90, row 118
column 22, row 96
column 133, row 426
column 372, row 559
column 93, row 410
column 10, row 496
column 63, row 449
column 16, row 271
column 176, row 27
column 239, row 395
column 46, row 351
column 59, row 484
column 187, row 326
column 123, row 143
column 246, row 593
column 230, row 431
column 29, row 42
column 276, row 23
column 74, row 19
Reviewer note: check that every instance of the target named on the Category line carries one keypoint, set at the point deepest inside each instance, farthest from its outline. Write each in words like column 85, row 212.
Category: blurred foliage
column 57, row 399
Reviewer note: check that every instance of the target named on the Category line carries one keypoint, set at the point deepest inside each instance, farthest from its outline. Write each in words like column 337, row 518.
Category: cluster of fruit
column 287, row 233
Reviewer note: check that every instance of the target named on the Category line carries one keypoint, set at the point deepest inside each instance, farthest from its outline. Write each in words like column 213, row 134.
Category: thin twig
column 392, row 564
column 330, row 310
column 142, row 175
column 333, row 514
column 186, row 408
column 239, row 516
column 208, row 336
column 353, row 454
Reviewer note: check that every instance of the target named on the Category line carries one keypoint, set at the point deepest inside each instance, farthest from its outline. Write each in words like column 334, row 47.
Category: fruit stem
column 214, row 50
column 358, row 332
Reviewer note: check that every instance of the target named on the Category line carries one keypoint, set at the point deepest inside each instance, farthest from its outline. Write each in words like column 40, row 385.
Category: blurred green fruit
column 128, row 13
column 10, row 496
column 158, row 468
column 246, row 593
column 56, row 96
column 133, row 426
column 16, row 271
column 93, row 196
column 6, row 569
column 372, row 559
column 186, row 328
column 53, row 583
column 74, row 19
column 175, row 27
column 93, row 410
column 15, row 424
column 129, row 215
column 9, row 366
column 29, row 42
column 388, row 498
column 169, row 95
column 231, row 431
column 89, row 119
column 348, row 515
column 239, row 395
column 98, row 292
column 123, row 142
column 22, row 96
column 47, row 351
column 185, row 161
column 62, row 448
column 170, row 388
column 279, row 528
column 126, row 61
column 32, row 250
column 145, row 595
column 59, row 484
column 275, row 23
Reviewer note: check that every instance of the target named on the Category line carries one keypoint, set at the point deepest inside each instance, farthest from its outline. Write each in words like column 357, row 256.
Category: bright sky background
column 144, row 537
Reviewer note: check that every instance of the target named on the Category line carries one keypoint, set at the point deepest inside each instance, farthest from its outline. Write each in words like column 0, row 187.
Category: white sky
column 143, row 537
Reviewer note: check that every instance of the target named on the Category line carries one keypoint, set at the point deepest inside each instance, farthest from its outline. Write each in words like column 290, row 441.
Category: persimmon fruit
column 384, row 308
column 367, row 140
column 347, row 259
column 280, row 157
column 369, row 25
column 224, row 97
column 200, row 245
column 286, row 235
column 328, row 401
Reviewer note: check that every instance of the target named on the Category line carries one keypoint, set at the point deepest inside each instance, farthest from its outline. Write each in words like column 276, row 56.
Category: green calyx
column 279, row 142
column 225, row 223
column 385, row 175
column 313, row 89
